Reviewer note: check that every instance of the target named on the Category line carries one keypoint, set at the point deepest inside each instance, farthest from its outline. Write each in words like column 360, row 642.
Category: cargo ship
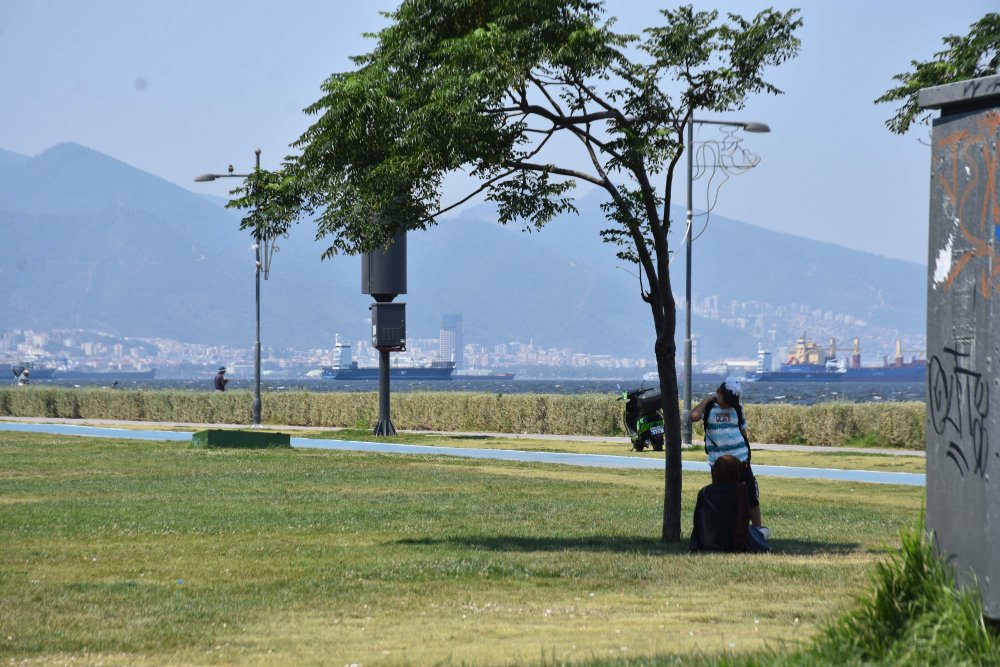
column 481, row 374
column 348, row 369
column 711, row 374
column 810, row 363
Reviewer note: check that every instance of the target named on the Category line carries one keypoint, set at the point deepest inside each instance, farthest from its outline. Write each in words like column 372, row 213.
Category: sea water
column 797, row 393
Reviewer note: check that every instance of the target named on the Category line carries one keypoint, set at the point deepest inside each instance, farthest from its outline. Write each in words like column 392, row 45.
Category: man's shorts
column 747, row 477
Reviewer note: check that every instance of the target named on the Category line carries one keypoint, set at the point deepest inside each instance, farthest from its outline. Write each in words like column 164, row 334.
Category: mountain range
column 94, row 243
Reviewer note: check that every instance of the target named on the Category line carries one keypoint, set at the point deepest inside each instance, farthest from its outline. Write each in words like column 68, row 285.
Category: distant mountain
column 94, row 243
column 9, row 159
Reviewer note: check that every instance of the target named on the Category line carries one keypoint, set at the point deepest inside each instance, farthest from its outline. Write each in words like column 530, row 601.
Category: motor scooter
column 642, row 418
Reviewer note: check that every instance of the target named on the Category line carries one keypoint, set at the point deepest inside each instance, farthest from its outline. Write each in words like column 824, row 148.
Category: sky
column 187, row 87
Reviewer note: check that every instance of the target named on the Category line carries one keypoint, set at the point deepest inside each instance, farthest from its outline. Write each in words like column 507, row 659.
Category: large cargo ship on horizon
column 810, row 363
column 348, row 369
column 481, row 374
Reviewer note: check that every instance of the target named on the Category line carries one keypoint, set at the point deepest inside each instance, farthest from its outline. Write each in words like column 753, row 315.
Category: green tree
column 504, row 91
column 964, row 57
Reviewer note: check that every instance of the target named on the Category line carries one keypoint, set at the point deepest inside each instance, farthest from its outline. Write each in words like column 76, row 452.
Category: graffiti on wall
column 967, row 177
column 966, row 267
column 959, row 406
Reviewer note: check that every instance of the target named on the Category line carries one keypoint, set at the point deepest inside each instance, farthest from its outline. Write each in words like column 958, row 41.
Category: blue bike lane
column 560, row 458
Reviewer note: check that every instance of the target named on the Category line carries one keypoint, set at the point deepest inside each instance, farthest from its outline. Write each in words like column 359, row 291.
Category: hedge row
column 882, row 425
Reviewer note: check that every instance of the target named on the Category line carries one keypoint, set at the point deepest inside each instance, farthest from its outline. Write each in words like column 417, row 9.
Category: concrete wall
column 963, row 333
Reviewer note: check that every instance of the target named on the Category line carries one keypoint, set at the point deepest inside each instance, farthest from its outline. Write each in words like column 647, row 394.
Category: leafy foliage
column 914, row 616
column 964, row 57
column 498, row 89
column 273, row 202
column 827, row 424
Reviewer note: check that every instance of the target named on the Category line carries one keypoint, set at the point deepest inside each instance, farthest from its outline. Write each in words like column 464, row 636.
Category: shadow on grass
column 644, row 546
column 597, row 543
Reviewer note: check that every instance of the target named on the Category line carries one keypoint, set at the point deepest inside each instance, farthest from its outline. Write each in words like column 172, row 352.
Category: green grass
column 130, row 552
column 828, row 457
column 914, row 616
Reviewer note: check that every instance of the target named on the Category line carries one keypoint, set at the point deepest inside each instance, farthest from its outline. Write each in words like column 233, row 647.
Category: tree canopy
column 526, row 98
column 484, row 86
column 964, row 57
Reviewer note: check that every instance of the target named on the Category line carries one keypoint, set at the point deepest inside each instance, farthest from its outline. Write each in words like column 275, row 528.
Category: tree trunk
column 666, row 365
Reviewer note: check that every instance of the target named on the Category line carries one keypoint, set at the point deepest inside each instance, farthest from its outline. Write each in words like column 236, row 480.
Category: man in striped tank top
column 726, row 433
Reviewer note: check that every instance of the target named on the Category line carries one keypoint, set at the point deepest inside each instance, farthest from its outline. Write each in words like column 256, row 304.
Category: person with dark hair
column 220, row 379
column 726, row 433
column 722, row 513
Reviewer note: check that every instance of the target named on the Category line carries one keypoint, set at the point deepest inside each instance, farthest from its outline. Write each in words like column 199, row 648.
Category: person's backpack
column 757, row 540
column 739, row 420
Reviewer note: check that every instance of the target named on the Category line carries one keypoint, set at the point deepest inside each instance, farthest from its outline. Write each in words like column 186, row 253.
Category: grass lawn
column 829, row 457
column 130, row 552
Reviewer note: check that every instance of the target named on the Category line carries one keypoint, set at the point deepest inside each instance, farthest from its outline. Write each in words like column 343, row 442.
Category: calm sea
column 800, row 393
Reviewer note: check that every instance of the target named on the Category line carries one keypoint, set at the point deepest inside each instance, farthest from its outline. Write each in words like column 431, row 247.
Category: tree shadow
column 642, row 546
column 593, row 543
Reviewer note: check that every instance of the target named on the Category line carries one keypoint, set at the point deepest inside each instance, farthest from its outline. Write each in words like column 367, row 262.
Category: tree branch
column 562, row 171
column 561, row 121
column 472, row 194
column 493, row 180
column 541, row 87
column 607, row 106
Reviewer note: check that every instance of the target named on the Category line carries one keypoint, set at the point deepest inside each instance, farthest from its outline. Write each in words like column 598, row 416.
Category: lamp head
column 756, row 127
column 204, row 177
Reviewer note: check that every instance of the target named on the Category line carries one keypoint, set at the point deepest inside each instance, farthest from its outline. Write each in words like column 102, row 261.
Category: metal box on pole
column 388, row 326
column 383, row 276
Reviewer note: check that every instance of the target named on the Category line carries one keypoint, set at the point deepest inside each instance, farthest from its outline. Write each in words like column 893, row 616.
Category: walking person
column 220, row 379
column 725, row 433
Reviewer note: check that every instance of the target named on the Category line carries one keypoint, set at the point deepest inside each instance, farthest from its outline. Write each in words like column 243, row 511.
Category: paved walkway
column 513, row 436
column 146, row 431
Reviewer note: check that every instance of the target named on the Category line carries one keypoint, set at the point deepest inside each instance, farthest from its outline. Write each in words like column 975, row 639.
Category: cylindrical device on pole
column 384, row 425
column 383, row 271
column 383, row 276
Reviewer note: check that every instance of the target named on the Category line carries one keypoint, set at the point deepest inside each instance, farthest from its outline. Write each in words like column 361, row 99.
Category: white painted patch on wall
column 943, row 262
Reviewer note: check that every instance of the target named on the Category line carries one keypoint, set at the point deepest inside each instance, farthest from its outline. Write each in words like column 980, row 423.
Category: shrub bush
column 833, row 424
column 915, row 615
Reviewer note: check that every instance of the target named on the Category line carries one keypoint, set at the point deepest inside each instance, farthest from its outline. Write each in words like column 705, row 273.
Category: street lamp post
column 267, row 257
column 747, row 127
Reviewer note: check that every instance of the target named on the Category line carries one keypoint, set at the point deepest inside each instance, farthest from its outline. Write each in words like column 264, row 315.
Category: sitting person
column 726, row 433
column 722, row 513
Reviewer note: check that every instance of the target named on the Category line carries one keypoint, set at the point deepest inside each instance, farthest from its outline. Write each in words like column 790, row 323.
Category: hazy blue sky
column 186, row 87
